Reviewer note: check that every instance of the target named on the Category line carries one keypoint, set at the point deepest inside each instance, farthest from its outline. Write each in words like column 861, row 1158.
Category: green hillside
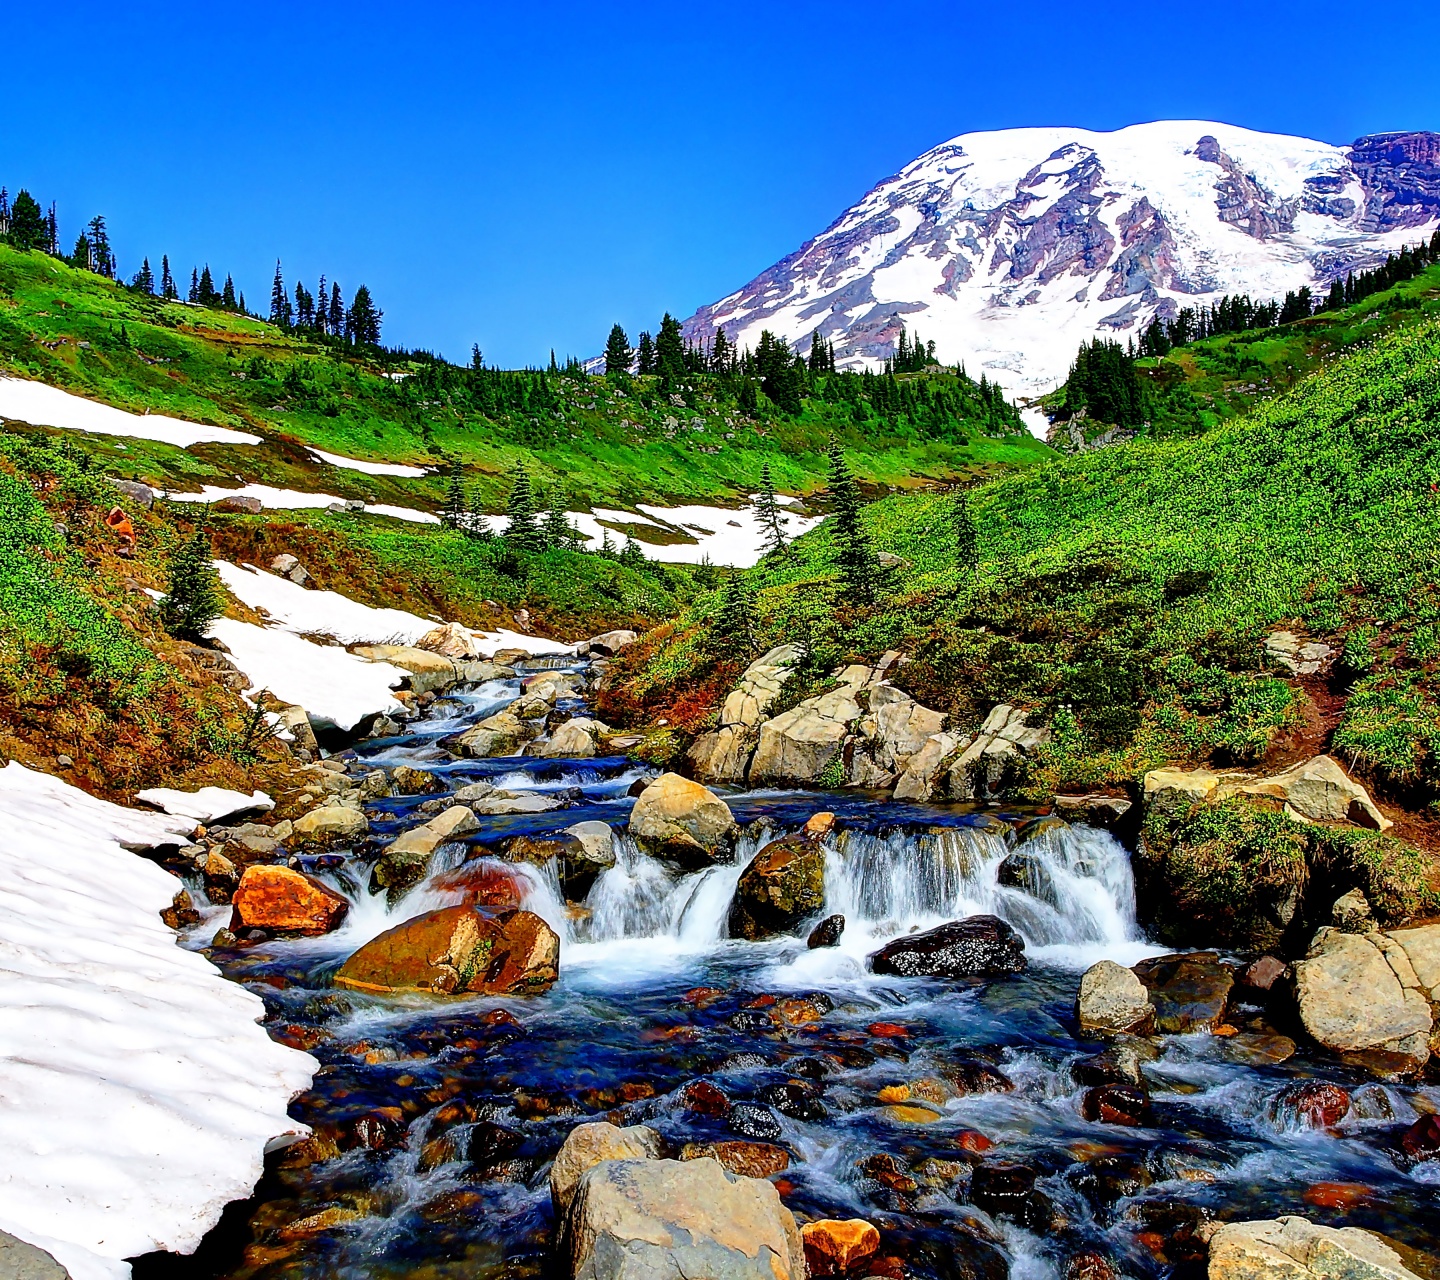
column 701, row 437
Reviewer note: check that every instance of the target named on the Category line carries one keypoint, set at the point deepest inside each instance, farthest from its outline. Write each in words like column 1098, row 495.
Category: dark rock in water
column 748, row 1159
column 1261, row 975
column 827, row 933
column 1189, row 992
column 971, row 1076
column 409, row 781
column 1125, row 1104
column 1089, row 1265
column 1004, row 1190
column 1421, row 1141
column 752, row 1020
column 977, row 947
column 638, row 786
column 702, row 1098
column 751, row 1120
column 492, row 1144
column 1027, row 873
column 797, row 1099
column 1177, row 1225
column 1108, row 1179
column 886, row 1170
column 811, row 1068
column 374, row 1133
column 1314, row 1104
column 1118, row 1065
column 784, row 883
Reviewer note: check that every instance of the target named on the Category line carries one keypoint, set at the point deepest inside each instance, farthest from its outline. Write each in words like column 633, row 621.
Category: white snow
column 207, row 805
column 296, row 500
column 369, row 468
column 137, row 1093
column 966, row 205
column 46, row 406
column 321, row 612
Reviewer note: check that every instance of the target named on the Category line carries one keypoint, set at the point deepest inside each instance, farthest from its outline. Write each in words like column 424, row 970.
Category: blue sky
column 524, row 176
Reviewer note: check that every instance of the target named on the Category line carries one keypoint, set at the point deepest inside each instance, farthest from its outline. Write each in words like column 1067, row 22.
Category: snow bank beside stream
column 137, row 1092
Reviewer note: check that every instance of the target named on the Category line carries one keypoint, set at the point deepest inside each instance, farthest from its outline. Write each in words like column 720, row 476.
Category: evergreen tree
column 859, row 571
column 631, row 555
column 819, row 361
column 557, row 530
column 767, row 510
column 168, row 291
column 455, row 508
column 208, row 296
column 321, row 316
column 722, row 353
column 52, row 232
column 670, row 350
column 279, row 302
column 362, row 321
column 617, row 352
column 304, row 307
column 607, row 546
column 336, row 318
column 144, row 281
column 645, row 354
column 100, row 253
column 477, row 360
column 194, row 294
column 227, row 294
column 27, row 224
column 522, row 531
column 967, row 536
column 733, row 631
column 192, row 601
column 780, row 379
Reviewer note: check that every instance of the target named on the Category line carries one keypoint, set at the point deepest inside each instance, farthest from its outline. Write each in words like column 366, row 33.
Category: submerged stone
column 978, row 947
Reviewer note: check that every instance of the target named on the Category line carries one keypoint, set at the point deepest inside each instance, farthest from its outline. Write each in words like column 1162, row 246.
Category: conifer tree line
column 1240, row 314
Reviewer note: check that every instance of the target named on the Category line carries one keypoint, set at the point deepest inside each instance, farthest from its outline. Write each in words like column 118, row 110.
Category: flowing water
column 412, row 1089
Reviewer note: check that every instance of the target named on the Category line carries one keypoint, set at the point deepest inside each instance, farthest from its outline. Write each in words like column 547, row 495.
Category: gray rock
column 679, row 819
column 1295, row 1249
column 678, row 1220
column 142, row 495
column 587, row 1145
column 1113, row 1000
column 20, row 1260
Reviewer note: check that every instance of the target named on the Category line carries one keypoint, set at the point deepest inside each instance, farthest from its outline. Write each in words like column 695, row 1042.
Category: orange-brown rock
column 285, row 901
column 455, row 950
column 748, row 1159
column 484, row 883
column 833, row 1245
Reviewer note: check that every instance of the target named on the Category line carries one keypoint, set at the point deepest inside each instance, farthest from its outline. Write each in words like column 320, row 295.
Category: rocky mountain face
column 1009, row 248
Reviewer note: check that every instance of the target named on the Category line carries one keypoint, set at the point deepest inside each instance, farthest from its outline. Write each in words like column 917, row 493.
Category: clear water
column 616, row 1038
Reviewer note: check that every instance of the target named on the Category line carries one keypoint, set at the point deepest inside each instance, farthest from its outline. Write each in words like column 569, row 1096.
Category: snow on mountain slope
column 1010, row 248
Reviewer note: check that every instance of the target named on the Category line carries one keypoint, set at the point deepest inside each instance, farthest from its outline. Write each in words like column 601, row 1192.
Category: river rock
column 827, row 933
column 428, row 672
column 680, row 820
column 923, row 768
column 574, row 740
column 783, row 885
column 754, row 1121
column 977, row 947
column 833, row 1246
column 797, row 745
column 608, row 643
column 408, row 781
column 407, row 858
column 508, row 803
column 670, row 1219
column 503, row 734
column 450, row 640
column 1294, row 1249
column 1113, row 1000
column 455, row 950
column 1189, row 992
column 587, row 1145
column 332, row 824
column 597, row 845
column 1125, row 1104
column 1359, row 996
column 748, row 1159
column 21, row 1260
column 285, row 902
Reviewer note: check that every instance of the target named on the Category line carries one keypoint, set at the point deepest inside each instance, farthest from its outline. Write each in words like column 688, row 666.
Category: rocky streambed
column 795, row 1028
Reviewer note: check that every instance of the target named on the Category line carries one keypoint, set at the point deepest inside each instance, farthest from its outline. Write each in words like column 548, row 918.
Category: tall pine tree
column 192, row 601
column 454, row 510
column 967, row 536
column 523, row 531
column 279, row 301
column 362, row 321
column 733, row 631
column 767, row 510
column 168, row 291
column 645, row 354
column 617, row 352
column 859, row 572
column 27, row 224
column 670, row 350
column 144, row 281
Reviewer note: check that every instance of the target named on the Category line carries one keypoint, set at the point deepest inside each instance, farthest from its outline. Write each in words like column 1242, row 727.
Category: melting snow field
column 45, row 406
column 295, row 500
column 369, row 468
column 137, row 1092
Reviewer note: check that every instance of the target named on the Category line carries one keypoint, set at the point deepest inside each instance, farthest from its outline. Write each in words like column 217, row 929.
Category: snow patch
column 369, row 468
column 137, row 1092
column 295, row 500
column 46, row 406
column 207, row 805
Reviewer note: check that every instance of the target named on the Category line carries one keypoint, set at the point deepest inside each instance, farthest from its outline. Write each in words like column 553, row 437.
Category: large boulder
column 506, row 803
column 674, row 1219
column 285, row 902
column 995, row 759
column 1319, row 790
column 587, row 1145
column 451, row 640
column 609, row 643
column 428, row 671
column 1171, row 790
column 503, row 734
column 596, row 851
column 923, row 768
column 724, row 754
column 783, row 886
column 1189, row 992
column 1360, row 996
column 331, row 824
column 574, row 740
column 1295, row 1249
column 895, row 727
column 680, row 820
column 1113, row 1001
column 21, row 1260
column 976, row 947
column 455, row 950
column 797, row 745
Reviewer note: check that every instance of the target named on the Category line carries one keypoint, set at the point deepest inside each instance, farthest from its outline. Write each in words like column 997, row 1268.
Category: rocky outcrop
column 995, row 758
column 576, row 739
column 924, row 768
column 1316, row 790
column 285, row 902
column 457, row 950
column 607, row 644
column 797, row 745
column 587, row 1145
column 894, row 728
column 977, row 947
column 451, row 640
column 783, row 886
column 1294, row 1249
column 406, row 859
column 1299, row 657
column 429, row 672
column 1113, row 1001
column 1361, row 996
column 723, row 755
column 677, row 819
column 669, row 1219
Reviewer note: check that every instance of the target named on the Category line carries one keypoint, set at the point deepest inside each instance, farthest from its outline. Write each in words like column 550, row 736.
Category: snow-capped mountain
column 1010, row 248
